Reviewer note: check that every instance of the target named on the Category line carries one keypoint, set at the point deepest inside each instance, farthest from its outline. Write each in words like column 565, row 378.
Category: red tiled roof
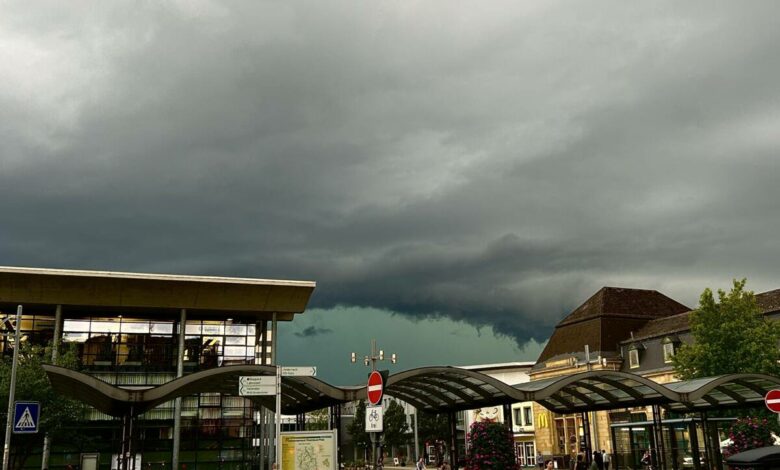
column 619, row 301
column 606, row 318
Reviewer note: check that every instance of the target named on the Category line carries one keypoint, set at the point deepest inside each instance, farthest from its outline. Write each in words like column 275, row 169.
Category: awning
column 299, row 394
column 436, row 389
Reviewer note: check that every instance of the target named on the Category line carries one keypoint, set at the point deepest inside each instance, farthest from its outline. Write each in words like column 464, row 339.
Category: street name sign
column 374, row 421
column 375, row 388
column 772, row 400
column 26, row 416
column 305, row 371
column 257, row 385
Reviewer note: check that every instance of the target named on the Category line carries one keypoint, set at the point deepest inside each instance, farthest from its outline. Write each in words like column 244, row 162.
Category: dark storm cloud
column 495, row 165
column 311, row 331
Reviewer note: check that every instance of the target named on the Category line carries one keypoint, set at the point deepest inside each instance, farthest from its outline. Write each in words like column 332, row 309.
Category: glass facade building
column 136, row 344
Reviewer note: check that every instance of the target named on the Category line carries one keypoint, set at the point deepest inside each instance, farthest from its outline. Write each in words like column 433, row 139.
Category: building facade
column 521, row 414
column 629, row 330
column 143, row 330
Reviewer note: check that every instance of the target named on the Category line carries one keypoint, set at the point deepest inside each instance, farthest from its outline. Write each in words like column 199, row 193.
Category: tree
column 357, row 428
column 57, row 412
column 491, row 446
column 729, row 336
column 432, row 427
column 396, row 433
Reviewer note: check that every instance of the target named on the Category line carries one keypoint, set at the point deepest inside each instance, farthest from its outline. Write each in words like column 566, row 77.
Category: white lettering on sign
column 306, row 371
column 256, row 385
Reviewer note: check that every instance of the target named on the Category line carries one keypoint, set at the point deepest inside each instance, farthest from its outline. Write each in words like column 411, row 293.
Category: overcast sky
column 448, row 172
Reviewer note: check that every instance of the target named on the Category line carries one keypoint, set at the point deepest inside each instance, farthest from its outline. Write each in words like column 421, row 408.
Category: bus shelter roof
column 435, row 389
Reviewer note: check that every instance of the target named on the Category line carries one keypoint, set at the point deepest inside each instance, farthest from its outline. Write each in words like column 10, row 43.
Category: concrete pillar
column 177, row 406
column 55, row 350
column 454, row 439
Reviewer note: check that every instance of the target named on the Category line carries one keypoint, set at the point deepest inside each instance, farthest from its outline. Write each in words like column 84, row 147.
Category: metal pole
column 12, row 390
column 55, row 351
column 177, row 402
column 453, row 440
column 416, row 441
column 275, row 361
column 278, row 453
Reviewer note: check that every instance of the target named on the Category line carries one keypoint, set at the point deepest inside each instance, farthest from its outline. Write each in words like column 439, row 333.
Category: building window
column 517, row 416
column 528, row 416
column 668, row 350
column 530, row 454
column 633, row 358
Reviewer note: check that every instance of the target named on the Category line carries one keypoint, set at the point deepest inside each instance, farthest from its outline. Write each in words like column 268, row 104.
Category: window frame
column 633, row 358
column 668, row 350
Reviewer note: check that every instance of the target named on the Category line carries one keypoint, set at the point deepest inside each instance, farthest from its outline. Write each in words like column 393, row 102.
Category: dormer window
column 633, row 356
column 668, row 347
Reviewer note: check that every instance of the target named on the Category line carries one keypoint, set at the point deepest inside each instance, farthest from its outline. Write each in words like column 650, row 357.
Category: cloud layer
column 493, row 164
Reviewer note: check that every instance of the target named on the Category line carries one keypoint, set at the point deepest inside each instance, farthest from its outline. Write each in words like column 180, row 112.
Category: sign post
column 266, row 385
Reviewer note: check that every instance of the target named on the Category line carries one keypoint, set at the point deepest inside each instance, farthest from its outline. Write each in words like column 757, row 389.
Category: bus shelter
column 675, row 443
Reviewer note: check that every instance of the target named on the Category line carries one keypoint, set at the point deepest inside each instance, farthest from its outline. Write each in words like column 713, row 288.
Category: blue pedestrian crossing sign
column 26, row 415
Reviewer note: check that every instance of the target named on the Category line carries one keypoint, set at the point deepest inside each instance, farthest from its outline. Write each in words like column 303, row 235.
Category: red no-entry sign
column 375, row 388
column 772, row 400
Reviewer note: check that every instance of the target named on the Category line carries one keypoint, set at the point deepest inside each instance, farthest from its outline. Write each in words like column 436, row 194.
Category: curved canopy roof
column 596, row 390
column 733, row 390
column 299, row 394
column 448, row 388
column 436, row 389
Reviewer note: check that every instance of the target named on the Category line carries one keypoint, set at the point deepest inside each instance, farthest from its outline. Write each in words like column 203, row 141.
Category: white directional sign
column 374, row 421
column 257, row 385
column 305, row 371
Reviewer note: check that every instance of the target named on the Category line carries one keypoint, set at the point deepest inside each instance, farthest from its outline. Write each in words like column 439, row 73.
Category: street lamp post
column 375, row 356
column 12, row 390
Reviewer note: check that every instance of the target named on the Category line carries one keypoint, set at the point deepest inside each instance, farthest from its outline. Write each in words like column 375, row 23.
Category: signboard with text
column 305, row 371
column 309, row 450
column 257, row 385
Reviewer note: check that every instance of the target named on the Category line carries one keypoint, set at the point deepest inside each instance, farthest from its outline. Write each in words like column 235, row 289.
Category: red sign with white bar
column 772, row 400
column 375, row 388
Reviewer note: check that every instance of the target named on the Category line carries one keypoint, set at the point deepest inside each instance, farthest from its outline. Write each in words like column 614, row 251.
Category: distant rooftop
column 498, row 366
column 607, row 318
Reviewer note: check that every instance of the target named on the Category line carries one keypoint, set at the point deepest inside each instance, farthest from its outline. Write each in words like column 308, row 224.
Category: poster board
column 309, row 450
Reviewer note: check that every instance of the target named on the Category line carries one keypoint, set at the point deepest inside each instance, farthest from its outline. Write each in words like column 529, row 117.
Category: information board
column 309, row 450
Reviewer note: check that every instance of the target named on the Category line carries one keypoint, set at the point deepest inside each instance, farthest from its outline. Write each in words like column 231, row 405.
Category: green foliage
column 396, row 433
column 58, row 414
column 357, row 428
column 432, row 427
column 490, row 446
column 318, row 420
column 749, row 433
column 730, row 336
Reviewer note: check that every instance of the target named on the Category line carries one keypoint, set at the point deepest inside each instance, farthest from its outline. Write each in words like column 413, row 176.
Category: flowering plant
column 490, row 446
column 748, row 433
